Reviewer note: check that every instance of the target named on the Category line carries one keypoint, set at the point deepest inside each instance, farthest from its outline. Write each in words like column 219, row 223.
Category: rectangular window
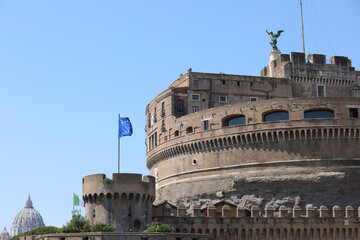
column 195, row 109
column 206, row 124
column 253, row 99
column 163, row 109
column 320, row 91
column 238, row 83
column 149, row 120
column 152, row 141
column 195, row 97
column 180, row 105
column 223, row 82
column 223, row 99
column 353, row 113
column 196, row 82
column 163, row 129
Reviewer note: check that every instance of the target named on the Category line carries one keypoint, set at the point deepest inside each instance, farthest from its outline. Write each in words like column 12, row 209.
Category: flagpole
column 119, row 148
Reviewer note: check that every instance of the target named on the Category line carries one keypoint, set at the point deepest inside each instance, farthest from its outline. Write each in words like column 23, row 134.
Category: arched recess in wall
column 189, row 130
column 318, row 113
column 176, row 133
column 276, row 115
column 233, row 120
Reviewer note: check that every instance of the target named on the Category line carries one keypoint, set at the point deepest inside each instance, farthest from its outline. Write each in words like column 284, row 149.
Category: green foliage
column 78, row 223
column 156, row 226
column 229, row 228
column 101, row 227
column 107, row 180
column 37, row 231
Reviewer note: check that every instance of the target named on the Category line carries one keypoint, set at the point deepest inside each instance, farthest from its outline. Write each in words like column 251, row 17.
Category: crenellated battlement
column 241, row 211
column 268, row 223
column 124, row 201
column 98, row 185
column 316, row 68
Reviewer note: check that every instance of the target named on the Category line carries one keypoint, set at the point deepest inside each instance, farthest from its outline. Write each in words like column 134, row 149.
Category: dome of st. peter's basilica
column 26, row 220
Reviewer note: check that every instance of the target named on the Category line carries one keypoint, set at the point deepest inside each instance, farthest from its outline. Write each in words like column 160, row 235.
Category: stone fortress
column 288, row 137
column 245, row 157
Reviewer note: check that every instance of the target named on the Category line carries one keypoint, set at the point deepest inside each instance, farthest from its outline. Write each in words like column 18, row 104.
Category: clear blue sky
column 68, row 68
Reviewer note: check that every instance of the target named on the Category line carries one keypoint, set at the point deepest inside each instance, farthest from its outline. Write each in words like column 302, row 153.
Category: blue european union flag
column 125, row 127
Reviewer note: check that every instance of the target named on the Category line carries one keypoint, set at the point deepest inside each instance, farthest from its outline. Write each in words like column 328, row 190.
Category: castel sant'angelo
column 274, row 156
column 287, row 137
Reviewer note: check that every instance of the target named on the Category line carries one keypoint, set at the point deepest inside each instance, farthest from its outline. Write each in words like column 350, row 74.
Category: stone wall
column 198, row 157
column 316, row 66
column 285, row 162
column 284, row 223
column 120, row 236
column 125, row 201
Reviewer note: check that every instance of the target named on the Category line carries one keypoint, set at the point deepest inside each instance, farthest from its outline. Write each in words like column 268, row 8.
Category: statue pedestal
column 273, row 55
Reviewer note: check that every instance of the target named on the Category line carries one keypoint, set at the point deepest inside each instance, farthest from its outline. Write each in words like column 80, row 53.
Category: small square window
column 353, row 113
column 195, row 97
column 196, row 82
column 223, row 99
column 253, row 99
column 195, row 109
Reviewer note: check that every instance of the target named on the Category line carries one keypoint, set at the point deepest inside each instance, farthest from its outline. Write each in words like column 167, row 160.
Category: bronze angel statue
column 273, row 38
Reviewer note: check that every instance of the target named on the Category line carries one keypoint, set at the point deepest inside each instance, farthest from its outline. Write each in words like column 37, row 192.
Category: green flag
column 76, row 200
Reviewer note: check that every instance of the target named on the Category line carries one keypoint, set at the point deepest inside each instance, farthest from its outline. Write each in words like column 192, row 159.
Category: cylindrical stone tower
column 125, row 201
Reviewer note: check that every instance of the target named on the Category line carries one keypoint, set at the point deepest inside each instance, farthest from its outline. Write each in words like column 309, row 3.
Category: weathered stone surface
column 197, row 158
column 125, row 201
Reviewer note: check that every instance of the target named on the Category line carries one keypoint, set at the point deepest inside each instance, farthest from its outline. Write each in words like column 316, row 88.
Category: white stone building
column 26, row 220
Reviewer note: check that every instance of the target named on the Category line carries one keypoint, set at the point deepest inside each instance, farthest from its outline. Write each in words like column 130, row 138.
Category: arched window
column 234, row 120
column 319, row 113
column 276, row 116
column 176, row 133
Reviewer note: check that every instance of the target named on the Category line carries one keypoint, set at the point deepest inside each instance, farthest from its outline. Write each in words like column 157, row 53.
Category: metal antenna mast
column 302, row 25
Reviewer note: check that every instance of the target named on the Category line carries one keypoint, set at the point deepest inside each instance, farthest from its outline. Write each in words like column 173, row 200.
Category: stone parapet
column 125, row 201
column 120, row 236
column 268, row 228
column 261, row 225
